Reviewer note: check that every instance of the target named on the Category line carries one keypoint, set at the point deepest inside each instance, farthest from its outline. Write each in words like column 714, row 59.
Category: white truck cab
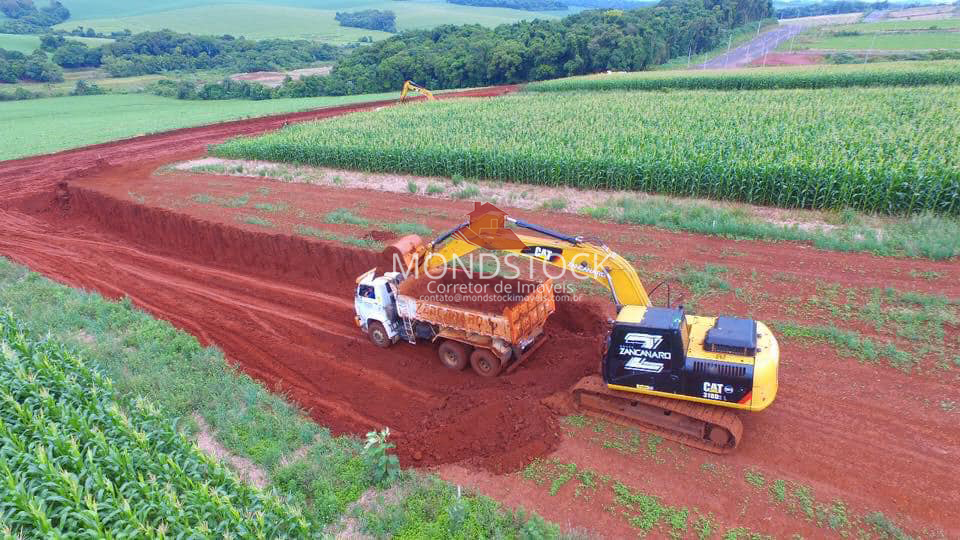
column 375, row 303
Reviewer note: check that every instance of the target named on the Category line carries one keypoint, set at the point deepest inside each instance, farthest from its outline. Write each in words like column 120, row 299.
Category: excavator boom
column 410, row 86
column 591, row 259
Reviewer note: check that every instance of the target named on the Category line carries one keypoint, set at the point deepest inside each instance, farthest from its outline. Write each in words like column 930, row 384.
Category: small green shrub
column 383, row 467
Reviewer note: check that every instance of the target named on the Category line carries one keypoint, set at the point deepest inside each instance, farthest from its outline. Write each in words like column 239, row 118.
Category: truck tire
column 454, row 354
column 378, row 334
column 485, row 363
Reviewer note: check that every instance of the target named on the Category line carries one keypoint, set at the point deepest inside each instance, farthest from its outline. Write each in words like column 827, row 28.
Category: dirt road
column 280, row 306
column 754, row 49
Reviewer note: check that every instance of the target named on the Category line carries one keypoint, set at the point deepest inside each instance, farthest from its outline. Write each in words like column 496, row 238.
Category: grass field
column 820, row 76
column 896, row 35
column 27, row 43
column 905, row 41
column 788, row 148
column 40, row 126
column 898, row 25
column 265, row 19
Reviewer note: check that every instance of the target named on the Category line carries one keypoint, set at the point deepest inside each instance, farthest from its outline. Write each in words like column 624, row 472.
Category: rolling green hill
column 279, row 18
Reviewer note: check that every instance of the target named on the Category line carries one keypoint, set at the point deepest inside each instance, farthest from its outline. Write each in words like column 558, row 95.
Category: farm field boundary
column 909, row 73
column 925, row 235
column 820, row 152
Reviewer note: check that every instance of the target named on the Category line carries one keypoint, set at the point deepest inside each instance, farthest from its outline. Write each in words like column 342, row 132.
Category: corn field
column 76, row 465
column 889, row 150
column 822, row 76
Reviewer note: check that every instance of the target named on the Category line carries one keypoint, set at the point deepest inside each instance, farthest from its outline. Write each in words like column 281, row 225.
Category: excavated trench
column 280, row 307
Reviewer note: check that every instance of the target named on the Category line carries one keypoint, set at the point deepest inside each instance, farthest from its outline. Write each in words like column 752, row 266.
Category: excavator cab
column 647, row 350
column 724, row 361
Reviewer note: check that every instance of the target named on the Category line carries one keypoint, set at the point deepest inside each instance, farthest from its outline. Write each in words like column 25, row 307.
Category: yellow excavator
column 677, row 375
column 410, row 86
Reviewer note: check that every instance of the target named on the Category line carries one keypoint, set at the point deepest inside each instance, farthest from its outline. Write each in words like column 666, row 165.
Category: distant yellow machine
column 410, row 86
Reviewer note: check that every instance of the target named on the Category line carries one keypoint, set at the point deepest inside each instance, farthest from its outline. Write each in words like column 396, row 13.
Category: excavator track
column 706, row 427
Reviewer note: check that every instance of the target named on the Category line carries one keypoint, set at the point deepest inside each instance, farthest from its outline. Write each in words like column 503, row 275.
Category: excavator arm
column 588, row 258
column 410, row 86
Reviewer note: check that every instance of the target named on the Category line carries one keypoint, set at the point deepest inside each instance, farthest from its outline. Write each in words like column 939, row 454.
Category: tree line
column 16, row 66
column 473, row 55
column 26, row 18
column 554, row 5
column 588, row 42
column 370, row 19
column 160, row 52
column 528, row 5
column 165, row 50
column 834, row 8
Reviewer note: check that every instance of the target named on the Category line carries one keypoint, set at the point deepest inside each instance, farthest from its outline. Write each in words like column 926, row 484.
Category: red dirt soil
column 788, row 59
column 280, row 306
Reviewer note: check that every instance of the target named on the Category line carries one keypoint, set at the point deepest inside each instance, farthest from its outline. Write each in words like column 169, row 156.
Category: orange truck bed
column 518, row 322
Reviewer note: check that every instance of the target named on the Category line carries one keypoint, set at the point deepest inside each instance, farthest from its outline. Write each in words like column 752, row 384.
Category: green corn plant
column 76, row 462
column 888, row 150
column 807, row 77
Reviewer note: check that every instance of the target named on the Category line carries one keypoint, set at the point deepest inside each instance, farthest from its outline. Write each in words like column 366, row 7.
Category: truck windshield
column 366, row 291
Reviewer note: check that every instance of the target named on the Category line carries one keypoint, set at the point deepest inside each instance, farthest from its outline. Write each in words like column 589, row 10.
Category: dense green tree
column 73, row 54
column 371, row 19
column 16, row 66
column 588, row 42
column 158, row 52
column 27, row 19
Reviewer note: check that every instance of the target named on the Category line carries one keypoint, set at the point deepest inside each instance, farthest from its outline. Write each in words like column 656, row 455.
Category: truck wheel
column 454, row 354
column 485, row 363
column 378, row 334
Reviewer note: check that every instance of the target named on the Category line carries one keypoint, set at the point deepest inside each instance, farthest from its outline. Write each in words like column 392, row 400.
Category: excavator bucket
column 401, row 255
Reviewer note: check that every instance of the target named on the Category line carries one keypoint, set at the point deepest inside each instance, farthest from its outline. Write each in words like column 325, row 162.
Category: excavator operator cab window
column 366, row 291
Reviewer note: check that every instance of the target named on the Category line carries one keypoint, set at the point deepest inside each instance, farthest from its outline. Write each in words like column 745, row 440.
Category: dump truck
column 491, row 336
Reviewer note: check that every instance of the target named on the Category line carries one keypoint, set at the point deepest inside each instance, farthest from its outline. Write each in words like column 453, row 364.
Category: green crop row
column 890, row 150
column 74, row 463
column 807, row 77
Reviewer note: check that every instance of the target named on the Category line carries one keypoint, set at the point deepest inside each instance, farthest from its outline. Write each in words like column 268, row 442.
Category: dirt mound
column 588, row 317
column 488, row 294
column 293, row 259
